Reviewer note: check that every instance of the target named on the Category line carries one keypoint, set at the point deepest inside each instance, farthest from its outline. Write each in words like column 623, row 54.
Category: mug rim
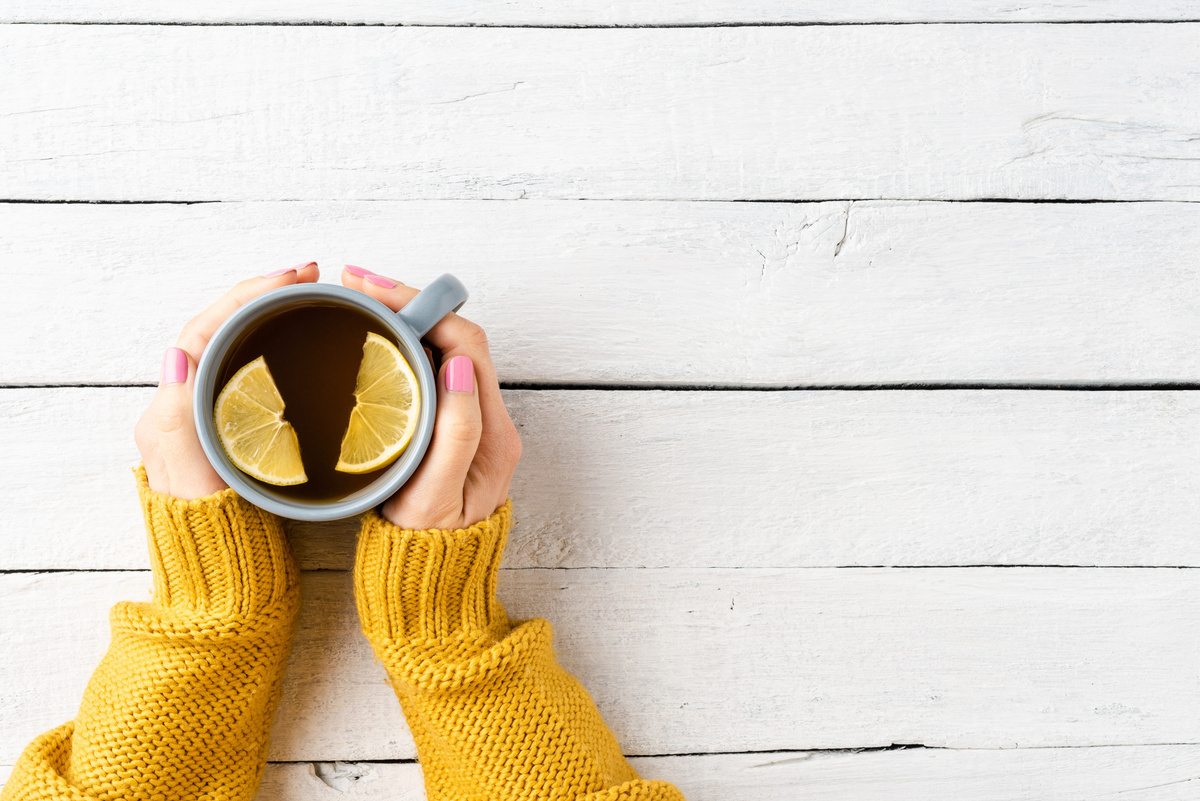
column 205, row 393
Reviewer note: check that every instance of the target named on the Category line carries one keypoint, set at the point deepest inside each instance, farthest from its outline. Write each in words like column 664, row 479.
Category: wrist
column 432, row 583
column 216, row 555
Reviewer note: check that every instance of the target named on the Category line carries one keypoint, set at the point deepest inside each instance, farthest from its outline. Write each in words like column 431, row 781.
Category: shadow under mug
column 444, row 295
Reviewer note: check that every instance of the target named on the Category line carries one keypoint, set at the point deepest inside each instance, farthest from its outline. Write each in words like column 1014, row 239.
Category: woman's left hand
column 469, row 466
column 166, row 433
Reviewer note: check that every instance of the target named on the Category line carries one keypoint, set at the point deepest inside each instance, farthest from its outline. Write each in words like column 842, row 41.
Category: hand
column 166, row 433
column 467, row 470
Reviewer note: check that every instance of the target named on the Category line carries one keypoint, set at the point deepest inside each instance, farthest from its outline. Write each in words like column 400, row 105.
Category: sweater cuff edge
column 147, row 495
column 415, row 584
column 215, row 555
column 501, row 516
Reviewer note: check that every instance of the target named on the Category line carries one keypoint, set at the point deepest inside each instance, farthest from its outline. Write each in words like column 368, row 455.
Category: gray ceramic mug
column 444, row 295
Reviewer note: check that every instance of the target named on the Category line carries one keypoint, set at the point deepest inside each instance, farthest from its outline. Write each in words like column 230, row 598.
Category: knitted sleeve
column 181, row 703
column 494, row 716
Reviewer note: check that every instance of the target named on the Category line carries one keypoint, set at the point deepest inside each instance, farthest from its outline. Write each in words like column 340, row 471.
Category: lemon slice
column 385, row 409
column 250, row 425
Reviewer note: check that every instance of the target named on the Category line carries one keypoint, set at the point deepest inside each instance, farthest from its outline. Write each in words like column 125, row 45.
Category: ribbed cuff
column 423, row 585
column 637, row 790
column 218, row 555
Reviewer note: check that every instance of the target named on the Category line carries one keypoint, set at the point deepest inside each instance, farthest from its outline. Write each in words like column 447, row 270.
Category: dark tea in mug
column 314, row 352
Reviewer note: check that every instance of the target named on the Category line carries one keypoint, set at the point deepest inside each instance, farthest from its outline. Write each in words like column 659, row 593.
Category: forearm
column 493, row 714
column 181, row 704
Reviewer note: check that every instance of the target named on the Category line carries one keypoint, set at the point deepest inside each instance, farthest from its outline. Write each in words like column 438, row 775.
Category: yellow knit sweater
column 180, row 706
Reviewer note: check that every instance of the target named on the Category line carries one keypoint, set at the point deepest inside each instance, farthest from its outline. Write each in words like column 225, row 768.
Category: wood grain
column 811, row 112
column 616, row 292
column 689, row 661
column 1162, row 773
column 682, row 543
column 582, row 12
column 714, row 479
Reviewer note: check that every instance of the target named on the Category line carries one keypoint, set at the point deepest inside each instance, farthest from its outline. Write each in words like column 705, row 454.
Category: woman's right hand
column 166, row 433
column 469, row 466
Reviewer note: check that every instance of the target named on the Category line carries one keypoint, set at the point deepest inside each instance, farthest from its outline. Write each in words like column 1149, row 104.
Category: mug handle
column 444, row 295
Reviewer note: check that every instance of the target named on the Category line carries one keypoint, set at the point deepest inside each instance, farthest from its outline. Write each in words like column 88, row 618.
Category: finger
column 196, row 334
column 146, row 437
column 188, row 472
column 453, row 336
column 433, row 497
column 352, row 276
column 456, row 336
column 450, row 329
column 493, row 468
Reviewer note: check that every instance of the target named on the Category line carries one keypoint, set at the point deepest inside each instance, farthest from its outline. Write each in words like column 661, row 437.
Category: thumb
column 189, row 474
column 433, row 497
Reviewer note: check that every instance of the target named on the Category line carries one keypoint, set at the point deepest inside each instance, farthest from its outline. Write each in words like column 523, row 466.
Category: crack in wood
column 845, row 230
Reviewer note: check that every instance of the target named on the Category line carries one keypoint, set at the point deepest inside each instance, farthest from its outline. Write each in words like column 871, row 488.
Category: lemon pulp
column 252, row 430
column 386, row 399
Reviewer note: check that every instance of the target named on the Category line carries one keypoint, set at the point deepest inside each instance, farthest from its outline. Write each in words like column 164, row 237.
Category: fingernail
column 379, row 280
column 295, row 269
column 175, row 367
column 460, row 374
column 358, row 271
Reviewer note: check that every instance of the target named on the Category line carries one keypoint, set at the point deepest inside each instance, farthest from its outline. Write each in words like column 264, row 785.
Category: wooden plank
column 811, row 112
column 1162, row 772
column 1064, row 774
column 714, row 479
column 689, row 661
column 581, row 12
column 604, row 292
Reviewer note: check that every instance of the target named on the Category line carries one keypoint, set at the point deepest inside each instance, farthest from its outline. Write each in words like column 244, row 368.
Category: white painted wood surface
column 817, row 112
column 729, row 643
column 583, row 12
column 689, row 661
column 778, row 294
column 1162, row 773
column 716, row 479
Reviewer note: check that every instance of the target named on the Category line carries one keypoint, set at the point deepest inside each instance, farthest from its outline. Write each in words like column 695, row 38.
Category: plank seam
column 33, row 202
column 60, row 570
column 559, row 386
column 965, row 566
column 790, row 751
column 862, row 750
column 913, row 747
column 782, row 751
column 779, row 201
column 596, row 26
column 1082, row 386
column 38, row 571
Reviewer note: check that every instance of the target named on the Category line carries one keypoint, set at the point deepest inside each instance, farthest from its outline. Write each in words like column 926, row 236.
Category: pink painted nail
column 174, row 367
column 460, row 374
column 358, row 271
column 379, row 280
column 295, row 269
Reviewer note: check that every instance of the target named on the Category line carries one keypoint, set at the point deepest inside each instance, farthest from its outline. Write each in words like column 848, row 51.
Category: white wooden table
column 855, row 358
